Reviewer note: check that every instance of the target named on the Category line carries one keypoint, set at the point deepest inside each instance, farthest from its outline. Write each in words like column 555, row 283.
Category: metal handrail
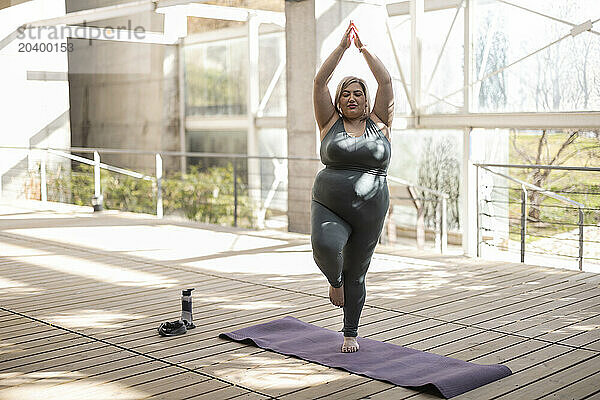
column 162, row 153
column 547, row 192
column 535, row 166
column 97, row 200
column 102, row 165
column 524, row 187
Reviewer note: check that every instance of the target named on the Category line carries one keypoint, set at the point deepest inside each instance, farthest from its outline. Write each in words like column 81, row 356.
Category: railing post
column 523, row 221
column 97, row 200
column 159, row 176
column 580, row 239
column 444, row 225
column 43, row 181
column 477, row 211
column 235, row 193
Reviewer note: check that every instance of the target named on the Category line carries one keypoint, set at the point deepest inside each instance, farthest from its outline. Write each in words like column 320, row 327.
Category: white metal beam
column 231, row 123
column 409, row 97
column 489, row 37
column 223, row 13
column 533, row 120
column 416, row 49
column 270, row 88
column 586, row 26
column 96, row 14
column 235, row 32
column 403, row 7
column 468, row 46
column 437, row 63
column 119, row 35
column 225, row 123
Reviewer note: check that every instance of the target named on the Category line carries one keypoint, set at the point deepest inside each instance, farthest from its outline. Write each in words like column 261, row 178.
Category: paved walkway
column 81, row 295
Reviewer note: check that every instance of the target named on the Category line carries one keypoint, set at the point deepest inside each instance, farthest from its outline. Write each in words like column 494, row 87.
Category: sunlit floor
column 81, row 296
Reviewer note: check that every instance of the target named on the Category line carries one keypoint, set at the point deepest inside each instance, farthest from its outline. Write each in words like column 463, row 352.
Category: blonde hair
column 344, row 83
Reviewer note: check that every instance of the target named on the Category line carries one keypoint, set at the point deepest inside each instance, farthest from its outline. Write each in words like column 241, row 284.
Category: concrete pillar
column 301, row 61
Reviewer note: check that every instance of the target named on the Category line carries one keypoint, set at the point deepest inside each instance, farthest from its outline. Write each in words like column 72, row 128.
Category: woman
column 350, row 196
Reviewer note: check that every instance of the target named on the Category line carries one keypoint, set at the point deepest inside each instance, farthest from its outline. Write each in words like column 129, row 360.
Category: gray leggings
column 345, row 229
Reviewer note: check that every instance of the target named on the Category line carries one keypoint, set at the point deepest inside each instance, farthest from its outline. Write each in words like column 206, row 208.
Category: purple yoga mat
column 378, row 360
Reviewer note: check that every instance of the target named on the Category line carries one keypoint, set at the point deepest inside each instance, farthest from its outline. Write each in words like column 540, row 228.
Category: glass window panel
column 449, row 75
column 400, row 27
column 271, row 54
column 229, row 142
column 273, row 143
column 562, row 77
column 431, row 158
column 216, row 76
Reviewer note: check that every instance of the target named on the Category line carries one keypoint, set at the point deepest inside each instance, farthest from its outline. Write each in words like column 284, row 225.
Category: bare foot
column 350, row 345
column 336, row 296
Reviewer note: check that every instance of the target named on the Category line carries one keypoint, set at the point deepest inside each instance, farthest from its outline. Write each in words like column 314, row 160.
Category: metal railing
column 524, row 187
column 280, row 177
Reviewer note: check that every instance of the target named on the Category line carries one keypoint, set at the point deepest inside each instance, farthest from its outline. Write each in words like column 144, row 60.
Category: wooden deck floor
column 81, row 296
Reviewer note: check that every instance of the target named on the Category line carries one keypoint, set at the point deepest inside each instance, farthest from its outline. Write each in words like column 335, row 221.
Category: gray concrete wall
column 124, row 95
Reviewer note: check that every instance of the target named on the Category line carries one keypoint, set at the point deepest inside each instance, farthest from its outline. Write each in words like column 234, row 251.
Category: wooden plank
column 576, row 311
column 509, row 295
column 528, row 368
column 448, row 291
column 360, row 391
column 41, row 349
column 172, row 310
column 581, row 389
column 51, row 356
column 182, row 386
column 558, row 380
column 585, row 333
column 99, row 291
column 500, row 307
column 229, row 392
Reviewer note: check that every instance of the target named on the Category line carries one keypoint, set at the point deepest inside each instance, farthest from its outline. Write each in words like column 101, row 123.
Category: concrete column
column 301, row 62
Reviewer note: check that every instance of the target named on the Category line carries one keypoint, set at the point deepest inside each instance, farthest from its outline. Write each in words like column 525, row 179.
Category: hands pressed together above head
column 351, row 35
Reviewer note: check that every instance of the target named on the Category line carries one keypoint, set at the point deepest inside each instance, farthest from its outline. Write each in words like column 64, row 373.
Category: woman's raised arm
column 324, row 109
column 384, row 99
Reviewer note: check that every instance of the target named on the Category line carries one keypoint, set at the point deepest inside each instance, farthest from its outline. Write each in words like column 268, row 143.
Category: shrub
column 200, row 195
